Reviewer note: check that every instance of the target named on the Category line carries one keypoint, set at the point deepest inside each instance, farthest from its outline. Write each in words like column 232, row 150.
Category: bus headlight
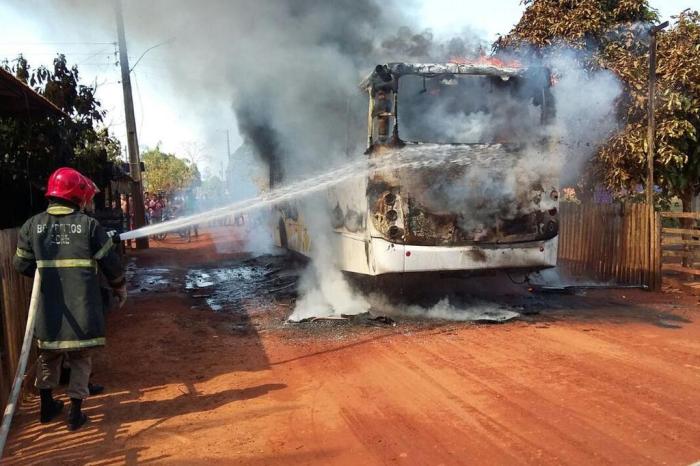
column 394, row 231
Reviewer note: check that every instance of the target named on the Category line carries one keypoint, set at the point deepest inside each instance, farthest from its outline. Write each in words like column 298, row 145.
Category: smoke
column 408, row 45
column 469, row 311
column 323, row 289
column 586, row 110
column 492, row 110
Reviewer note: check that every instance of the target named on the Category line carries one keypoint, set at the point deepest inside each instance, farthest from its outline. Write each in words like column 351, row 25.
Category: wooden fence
column 680, row 246
column 610, row 243
column 15, row 291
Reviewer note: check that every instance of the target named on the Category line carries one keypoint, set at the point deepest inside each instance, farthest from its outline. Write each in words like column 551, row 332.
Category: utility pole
column 651, row 136
column 132, row 142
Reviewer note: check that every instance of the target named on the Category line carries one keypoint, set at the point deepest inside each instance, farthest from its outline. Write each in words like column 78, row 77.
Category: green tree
column 213, row 188
column 31, row 148
column 616, row 31
column 677, row 111
column 167, row 173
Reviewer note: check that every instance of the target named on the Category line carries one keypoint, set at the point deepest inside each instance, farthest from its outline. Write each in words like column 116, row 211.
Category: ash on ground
column 250, row 285
column 263, row 284
column 257, row 294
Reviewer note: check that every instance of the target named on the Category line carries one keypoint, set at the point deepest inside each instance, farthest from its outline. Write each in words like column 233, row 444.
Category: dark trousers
column 48, row 371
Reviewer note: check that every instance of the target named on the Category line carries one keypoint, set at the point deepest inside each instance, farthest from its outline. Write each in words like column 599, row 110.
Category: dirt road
column 609, row 377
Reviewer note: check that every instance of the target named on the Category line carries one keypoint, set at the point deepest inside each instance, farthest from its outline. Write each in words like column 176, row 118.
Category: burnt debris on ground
column 260, row 293
column 254, row 284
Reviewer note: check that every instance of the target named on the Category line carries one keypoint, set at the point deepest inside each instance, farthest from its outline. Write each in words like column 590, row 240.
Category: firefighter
column 69, row 248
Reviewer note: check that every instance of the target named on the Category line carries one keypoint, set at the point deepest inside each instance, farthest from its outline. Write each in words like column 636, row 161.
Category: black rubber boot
column 76, row 418
column 50, row 408
column 95, row 388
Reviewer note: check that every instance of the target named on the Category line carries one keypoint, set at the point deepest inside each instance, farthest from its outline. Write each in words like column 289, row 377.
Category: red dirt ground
column 595, row 383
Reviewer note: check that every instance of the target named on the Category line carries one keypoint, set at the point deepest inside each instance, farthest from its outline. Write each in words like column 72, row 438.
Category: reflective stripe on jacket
column 71, row 248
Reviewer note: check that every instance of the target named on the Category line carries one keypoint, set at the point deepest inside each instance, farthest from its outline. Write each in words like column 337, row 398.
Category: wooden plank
column 634, row 230
column 681, row 231
column 642, row 253
column 678, row 253
column 643, row 244
column 577, row 243
column 614, row 256
column 652, row 244
column 605, row 246
column 626, row 238
column 589, row 241
column 657, row 253
column 563, row 240
column 605, row 252
column 680, row 268
column 631, row 236
column 695, row 215
column 675, row 240
column 594, row 253
column 580, row 241
column 612, row 242
column 648, row 248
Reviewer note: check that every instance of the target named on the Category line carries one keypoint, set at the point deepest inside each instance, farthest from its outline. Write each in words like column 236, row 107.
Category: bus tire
column 283, row 234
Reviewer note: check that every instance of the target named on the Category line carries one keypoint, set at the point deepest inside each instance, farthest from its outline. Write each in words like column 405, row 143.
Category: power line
column 94, row 55
column 58, row 43
column 148, row 50
column 62, row 52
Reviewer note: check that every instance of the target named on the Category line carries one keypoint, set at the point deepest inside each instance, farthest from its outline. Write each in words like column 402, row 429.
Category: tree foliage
column 616, row 33
column 213, row 188
column 31, row 148
column 573, row 23
column 677, row 110
column 166, row 173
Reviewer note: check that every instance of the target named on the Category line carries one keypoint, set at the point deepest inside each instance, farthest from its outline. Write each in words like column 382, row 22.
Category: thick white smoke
column 323, row 290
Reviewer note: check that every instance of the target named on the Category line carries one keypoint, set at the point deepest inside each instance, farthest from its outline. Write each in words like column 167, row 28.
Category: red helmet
column 92, row 189
column 70, row 185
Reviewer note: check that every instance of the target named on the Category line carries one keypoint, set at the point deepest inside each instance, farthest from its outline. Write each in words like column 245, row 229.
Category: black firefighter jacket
column 70, row 248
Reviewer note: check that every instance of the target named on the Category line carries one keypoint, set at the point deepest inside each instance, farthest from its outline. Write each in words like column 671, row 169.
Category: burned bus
column 491, row 205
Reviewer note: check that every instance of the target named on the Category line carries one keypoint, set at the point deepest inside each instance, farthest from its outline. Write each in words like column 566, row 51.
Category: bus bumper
column 389, row 257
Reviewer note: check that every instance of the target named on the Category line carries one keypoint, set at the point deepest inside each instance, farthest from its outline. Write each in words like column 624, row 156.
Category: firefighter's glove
column 114, row 236
column 120, row 294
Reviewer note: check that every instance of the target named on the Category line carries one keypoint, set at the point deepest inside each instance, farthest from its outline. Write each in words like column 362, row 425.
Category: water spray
column 361, row 168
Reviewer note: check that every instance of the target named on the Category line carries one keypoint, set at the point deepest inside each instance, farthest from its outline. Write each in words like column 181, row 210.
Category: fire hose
column 22, row 366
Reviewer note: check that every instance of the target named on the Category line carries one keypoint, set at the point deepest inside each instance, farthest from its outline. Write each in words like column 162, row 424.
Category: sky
column 163, row 115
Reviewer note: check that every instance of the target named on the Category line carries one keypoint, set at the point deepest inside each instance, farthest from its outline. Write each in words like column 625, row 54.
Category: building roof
column 21, row 101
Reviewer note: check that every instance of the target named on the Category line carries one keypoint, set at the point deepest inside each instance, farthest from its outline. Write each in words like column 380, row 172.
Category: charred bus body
column 495, row 209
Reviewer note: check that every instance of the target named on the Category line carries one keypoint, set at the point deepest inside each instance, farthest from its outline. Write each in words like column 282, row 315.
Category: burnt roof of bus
column 388, row 72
